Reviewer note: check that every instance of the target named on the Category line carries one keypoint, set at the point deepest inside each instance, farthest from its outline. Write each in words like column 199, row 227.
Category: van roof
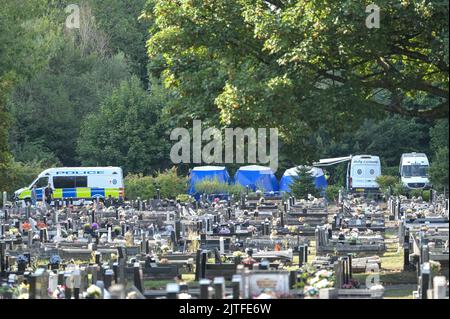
column 59, row 169
column 365, row 156
column 414, row 154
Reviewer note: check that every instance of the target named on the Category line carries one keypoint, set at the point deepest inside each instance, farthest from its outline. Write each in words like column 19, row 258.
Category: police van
column 414, row 171
column 88, row 183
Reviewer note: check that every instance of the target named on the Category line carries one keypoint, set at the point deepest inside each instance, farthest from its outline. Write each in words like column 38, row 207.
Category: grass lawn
column 155, row 284
column 398, row 294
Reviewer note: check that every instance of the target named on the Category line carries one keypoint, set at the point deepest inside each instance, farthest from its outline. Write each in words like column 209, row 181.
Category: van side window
column 41, row 182
column 64, row 181
column 81, row 181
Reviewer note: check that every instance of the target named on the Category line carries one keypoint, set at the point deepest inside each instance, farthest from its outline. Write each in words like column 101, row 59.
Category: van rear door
column 364, row 172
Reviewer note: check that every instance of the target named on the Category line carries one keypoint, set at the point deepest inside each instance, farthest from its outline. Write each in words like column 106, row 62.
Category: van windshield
column 415, row 170
column 40, row 182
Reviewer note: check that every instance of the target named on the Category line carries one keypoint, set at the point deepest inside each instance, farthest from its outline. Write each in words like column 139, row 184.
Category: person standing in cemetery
column 34, row 195
column 48, row 191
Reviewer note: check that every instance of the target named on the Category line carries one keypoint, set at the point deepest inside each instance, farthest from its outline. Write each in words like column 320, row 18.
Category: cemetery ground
column 260, row 246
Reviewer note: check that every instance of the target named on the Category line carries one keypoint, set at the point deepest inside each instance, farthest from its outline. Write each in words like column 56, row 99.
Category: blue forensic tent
column 289, row 174
column 201, row 173
column 257, row 178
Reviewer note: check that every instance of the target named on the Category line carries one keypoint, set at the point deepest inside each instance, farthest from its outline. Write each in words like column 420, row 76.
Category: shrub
column 386, row 180
column 171, row 184
column 137, row 185
column 332, row 192
column 19, row 175
column 211, row 186
column 416, row 192
column 399, row 189
column 236, row 190
column 426, row 195
column 214, row 186
column 185, row 198
column 303, row 184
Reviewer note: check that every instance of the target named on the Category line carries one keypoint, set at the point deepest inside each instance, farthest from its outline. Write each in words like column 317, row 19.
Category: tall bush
column 171, row 184
column 303, row 184
column 137, row 185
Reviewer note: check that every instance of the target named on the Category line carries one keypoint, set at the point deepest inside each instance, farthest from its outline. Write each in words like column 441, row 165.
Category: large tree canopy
column 268, row 62
column 126, row 131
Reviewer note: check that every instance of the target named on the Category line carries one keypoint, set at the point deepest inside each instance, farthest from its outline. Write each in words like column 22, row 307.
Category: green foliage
column 439, row 135
column 126, row 131
column 214, row 186
column 386, row 181
column 211, row 186
column 391, row 170
column 439, row 170
column 137, row 185
column 45, row 111
column 20, row 175
column 416, row 192
column 169, row 182
column 312, row 61
column 439, row 164
column 332, row 192
column 399, row 189
column 26, row 44
column 303, row 184
column 126, row 33
column 185, row 198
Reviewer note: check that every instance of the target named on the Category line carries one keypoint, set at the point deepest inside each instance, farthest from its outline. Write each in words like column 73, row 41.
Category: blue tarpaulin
column 288, row 177
column 201, row 173
column 257, row 178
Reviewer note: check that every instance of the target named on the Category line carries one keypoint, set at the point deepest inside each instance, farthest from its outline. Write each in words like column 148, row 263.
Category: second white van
column 362, row 172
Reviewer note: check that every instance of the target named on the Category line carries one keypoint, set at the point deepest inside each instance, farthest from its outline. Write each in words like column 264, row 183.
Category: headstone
column 439, row 287
column 219, row 288
column 204, row 259
column 222, row 246
column 425, row 280
column 138, row 277
column 172, row 291
column 204, row 288
column 236, row 284
column 108, row 278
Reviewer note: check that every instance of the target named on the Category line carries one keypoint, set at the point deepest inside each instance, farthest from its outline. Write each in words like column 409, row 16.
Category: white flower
column 94, row 290
column 322, row 284
column 324, row 273
column 314, row 280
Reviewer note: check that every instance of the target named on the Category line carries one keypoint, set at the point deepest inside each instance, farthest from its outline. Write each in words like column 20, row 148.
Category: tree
column 439, row 163
column 439, row 170
column 303, row 184
column 264, row 63
column 48, row 110
column 125, row 31
column 27, row 29
column 126, row 131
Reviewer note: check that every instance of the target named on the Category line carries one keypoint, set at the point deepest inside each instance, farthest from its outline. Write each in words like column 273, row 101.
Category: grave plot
column 217, row 247
column 416, row 208
column 426, row 250
column 350, row 241
column 359, row 214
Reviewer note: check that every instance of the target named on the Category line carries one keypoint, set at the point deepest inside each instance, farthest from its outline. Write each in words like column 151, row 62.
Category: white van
column 414, row 171
column 77, row 183
column 362, row 172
